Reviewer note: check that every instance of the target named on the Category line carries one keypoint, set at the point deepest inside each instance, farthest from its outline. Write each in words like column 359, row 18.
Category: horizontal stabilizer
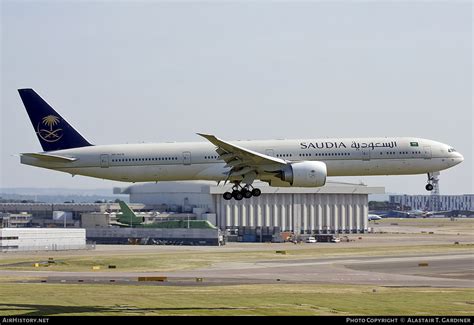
column 49, row 158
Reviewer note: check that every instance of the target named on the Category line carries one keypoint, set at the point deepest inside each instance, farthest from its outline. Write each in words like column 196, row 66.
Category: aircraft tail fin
column 54, row 132
column 128, row 216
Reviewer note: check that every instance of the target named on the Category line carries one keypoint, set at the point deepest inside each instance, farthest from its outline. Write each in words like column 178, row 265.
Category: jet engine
column 305, row 174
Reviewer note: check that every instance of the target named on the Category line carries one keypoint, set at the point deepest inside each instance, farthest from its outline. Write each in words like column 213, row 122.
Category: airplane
column 373, row 217
column 424, row 213
column 416, row 213
column 289, row 163
column 128, row 218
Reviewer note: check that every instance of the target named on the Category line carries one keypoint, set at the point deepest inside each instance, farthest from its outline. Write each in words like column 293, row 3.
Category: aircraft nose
column 458, row 158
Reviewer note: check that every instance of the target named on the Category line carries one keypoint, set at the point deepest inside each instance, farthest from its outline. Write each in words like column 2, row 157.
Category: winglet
column 211, row 138
column 207, row 136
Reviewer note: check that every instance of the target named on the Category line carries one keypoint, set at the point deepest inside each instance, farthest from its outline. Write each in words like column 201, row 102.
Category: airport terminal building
column 42, row 239
column 463, row 202
column 334, row 208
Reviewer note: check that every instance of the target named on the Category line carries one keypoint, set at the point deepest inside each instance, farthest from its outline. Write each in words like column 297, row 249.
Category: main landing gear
column 245, row 192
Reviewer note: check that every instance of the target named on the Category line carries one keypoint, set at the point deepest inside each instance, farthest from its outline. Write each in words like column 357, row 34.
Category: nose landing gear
column 432, row 180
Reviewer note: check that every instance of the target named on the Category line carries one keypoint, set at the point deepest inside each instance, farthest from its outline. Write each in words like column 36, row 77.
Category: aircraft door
column 427, row 152
column 269, row 152
column 365, row 154
column 186, row 158
column 104, row 161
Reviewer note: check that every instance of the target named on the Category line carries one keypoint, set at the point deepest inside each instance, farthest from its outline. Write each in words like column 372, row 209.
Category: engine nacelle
column 305, row 174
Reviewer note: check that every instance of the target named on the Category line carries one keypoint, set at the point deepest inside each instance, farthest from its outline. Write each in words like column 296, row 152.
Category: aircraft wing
column 241, row 160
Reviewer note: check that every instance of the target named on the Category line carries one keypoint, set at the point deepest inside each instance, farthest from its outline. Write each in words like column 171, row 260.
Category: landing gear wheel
column 246, row 193
column 237, row 195
column 429, row 187
column 227, row 196
column 256, row 192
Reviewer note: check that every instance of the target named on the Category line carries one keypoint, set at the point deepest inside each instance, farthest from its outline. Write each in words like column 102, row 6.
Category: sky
column 155, row 71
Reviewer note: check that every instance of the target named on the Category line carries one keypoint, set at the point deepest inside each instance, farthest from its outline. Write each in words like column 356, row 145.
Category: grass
column 282, row 299
column 152, row 262
column 48, row 299
column 188, row 260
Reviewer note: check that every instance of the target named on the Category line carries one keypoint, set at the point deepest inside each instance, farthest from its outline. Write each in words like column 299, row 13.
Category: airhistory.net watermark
column 23, row 320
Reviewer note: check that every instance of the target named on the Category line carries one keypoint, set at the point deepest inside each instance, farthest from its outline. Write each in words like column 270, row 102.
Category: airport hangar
column 331, row 209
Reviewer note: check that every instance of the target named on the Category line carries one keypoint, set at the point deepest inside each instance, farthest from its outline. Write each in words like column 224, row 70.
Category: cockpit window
column 451, row 150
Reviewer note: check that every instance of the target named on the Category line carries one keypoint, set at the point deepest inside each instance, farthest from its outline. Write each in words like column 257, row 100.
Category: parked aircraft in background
column 419, row 213
column 296, row 163
column 425, row 213
column 373, row 217
column 128, row 218
column 416, row 213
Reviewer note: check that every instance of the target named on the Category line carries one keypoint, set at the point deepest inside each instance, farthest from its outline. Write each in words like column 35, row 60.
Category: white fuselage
column 199, row 160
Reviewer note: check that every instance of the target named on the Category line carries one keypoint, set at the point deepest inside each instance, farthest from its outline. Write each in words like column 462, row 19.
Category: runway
column 402, row 253
column 434, row 270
